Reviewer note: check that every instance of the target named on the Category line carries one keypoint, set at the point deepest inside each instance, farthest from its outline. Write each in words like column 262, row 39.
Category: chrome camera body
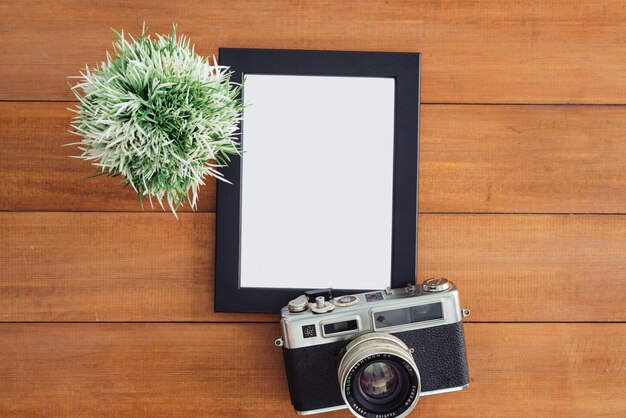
column 374, row 353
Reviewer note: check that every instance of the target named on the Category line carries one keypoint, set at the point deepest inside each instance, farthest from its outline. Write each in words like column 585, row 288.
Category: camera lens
column 378, row 381
column 378, row 376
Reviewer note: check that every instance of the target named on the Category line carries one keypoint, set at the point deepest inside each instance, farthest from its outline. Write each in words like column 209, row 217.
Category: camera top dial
column 348, row 300
column 436, row 285
column 299, row 304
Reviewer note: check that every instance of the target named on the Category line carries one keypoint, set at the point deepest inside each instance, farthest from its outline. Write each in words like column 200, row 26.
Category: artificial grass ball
column 159, row 115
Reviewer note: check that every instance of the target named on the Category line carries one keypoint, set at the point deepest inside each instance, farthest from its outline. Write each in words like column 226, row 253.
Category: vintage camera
column 374, row 353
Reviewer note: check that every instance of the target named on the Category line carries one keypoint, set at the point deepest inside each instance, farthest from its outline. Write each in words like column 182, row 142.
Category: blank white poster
column 317, row 182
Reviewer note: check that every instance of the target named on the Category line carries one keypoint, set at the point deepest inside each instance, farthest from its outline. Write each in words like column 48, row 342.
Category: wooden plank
column 529, row 267
column 561, row 159
column 108, row 267
column 38, row 174
column 542, row 159
column 151, row 267
column 152, row 370
column 474, row 52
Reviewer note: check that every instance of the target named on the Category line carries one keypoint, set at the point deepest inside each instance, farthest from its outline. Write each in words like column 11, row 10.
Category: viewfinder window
column 342, row 326
column 409, row 315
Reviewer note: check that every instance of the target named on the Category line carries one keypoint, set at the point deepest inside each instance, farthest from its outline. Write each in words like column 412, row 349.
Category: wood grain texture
column 87, row 260
column 151, row 267
column 547, row 159
column 474, row 52
column 227, row 370
column 542, row 159
column 104, row 267
column 38, row 174
column 529, row 267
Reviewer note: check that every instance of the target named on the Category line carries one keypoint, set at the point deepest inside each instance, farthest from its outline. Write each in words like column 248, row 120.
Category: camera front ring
column 378, row 376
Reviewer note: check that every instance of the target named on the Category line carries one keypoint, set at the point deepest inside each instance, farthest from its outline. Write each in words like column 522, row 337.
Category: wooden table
column 108, row 311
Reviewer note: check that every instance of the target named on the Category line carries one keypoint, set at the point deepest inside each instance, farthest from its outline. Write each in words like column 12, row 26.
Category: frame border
column 405, row 69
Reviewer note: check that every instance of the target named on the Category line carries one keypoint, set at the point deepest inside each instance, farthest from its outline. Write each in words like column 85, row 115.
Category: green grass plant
column 159, row 115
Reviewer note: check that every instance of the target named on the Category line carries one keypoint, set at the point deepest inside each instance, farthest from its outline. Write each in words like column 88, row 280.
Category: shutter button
column 321, row 305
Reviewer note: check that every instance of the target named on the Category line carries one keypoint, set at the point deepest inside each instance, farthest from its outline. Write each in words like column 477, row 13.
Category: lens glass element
column 379, row 380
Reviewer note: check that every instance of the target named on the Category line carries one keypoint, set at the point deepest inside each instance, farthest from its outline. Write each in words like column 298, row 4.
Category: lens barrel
column 378, row 376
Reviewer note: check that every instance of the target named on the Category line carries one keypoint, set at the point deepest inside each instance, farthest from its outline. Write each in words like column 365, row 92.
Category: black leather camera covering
column 439, row 354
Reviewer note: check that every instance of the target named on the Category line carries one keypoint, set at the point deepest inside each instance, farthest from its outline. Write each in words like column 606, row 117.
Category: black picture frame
column 405, row 69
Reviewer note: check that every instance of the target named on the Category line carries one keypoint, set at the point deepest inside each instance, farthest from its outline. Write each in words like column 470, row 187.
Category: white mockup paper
column 317, row 182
